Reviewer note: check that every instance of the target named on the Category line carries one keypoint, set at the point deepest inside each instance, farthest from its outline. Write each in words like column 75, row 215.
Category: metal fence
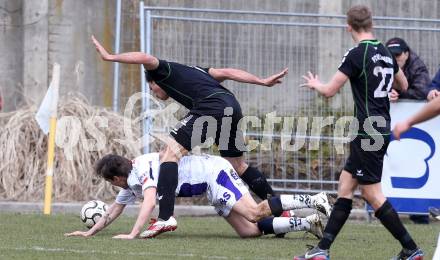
column 264, row 43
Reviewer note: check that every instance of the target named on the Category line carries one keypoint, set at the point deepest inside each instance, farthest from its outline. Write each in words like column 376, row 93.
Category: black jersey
column 371, row 69
column 185, row 84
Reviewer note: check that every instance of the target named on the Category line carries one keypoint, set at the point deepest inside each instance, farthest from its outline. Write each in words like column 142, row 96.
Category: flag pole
column 53, row 88
column 49, row 170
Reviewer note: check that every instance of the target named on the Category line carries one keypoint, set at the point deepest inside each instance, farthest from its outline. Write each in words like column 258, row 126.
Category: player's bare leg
column 373, row 194
column 242, row 226
column 248, row 208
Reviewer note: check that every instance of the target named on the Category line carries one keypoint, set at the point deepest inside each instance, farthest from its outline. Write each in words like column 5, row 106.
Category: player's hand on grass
column 78, row 234
column 312, row 81
column 400, row 128
column 125, row 236
column 275, row 79
column 393, row 95
column 100, row 49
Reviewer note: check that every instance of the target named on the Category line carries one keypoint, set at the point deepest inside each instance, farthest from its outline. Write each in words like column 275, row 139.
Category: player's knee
column 367, row 195
column 374, row 199
column 346, row 191
column 346, row 194
column 251, row 217
column 249, row 234
column 171, row 154
column 244, row 234
column 252, row 214
column 239, row 164
column 168, row 156
column 241, row 167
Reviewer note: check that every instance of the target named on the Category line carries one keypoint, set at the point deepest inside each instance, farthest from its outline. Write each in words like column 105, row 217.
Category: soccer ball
column 92, row 211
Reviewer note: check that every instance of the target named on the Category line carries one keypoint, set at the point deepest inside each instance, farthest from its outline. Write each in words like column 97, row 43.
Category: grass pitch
column 34, row 236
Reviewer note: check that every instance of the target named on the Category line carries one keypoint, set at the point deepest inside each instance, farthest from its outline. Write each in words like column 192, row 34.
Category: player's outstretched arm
column 246, row 77
column 149, row 62
column 112, row 213
column 147, row 207
column 329, row 89
column 400, row 81
column 429, row 111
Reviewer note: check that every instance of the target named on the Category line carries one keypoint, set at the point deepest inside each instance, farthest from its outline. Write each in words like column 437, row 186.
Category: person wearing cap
column 418, row 78
column 414, row 69
column 434, row 87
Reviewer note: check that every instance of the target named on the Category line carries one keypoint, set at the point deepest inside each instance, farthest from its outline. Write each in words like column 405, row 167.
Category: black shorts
column 217, row 118
column 366, row 166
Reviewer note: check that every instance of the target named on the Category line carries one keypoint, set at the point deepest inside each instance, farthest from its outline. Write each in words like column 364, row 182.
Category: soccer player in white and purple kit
column 198, row 175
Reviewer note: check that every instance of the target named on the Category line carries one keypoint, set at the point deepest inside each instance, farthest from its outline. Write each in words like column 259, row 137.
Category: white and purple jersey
column 142, row 176
column 198, row 175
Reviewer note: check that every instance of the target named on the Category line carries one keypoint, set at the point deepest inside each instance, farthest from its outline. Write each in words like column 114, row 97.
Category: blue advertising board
column 411, row 171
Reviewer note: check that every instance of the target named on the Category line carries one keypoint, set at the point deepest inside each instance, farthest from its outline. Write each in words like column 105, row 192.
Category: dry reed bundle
column 23, row 153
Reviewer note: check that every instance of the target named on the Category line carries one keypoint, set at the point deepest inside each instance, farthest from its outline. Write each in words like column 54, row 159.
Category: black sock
column 166, row 189
column 339, row 215
column 266, row 226
column 257, row 182
column 275, row 206
column 389, row 218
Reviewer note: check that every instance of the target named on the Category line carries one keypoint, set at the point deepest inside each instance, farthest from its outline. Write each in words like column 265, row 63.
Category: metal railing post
column 116, row 64
column 147, row 121
column 144, row 88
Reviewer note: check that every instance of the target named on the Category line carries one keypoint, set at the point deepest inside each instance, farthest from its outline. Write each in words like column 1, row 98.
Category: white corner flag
column 48, row 107
column 47, row 120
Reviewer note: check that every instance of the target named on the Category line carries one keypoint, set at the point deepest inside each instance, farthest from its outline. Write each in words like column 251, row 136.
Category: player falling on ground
column 200, row 91
column 198, row 175
column 372, row 71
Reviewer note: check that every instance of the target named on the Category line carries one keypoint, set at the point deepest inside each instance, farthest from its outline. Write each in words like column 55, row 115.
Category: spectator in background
column 434, row 87
column 418, row 79
column 414, row 69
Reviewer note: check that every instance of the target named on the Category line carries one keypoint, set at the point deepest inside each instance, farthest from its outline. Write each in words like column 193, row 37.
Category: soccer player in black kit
column 200, row 91
column 372, row 72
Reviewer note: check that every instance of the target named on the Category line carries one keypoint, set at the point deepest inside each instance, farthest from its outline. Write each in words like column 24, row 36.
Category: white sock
column 286, row 225
column 296, row 201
